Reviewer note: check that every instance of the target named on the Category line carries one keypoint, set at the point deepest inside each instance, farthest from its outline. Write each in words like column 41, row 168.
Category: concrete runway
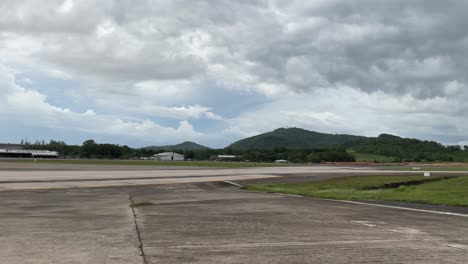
column 52, row 176
column 51, row 215
column 216, row 223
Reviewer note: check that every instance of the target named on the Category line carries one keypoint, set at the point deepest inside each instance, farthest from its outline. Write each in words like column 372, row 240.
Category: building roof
column 32, row 152
column 167, row 154
column 281, row 161
column 227, row 156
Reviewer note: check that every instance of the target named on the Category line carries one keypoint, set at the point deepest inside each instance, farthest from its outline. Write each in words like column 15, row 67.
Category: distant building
column 227, row 157
column 168, row 156
column 25, row 153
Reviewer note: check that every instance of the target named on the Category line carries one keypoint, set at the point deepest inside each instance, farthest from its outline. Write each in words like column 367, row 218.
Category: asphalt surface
column 216, row 223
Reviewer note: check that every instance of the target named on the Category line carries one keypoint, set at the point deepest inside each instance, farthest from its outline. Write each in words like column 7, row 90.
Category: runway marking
column 394, row 207
column 458, row 246
column 235, row 184
column 378, row 205
column 400, row 208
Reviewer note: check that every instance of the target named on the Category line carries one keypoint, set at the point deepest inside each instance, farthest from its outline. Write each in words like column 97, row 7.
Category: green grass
column 453, row 191
column 152, row 163
column 427, row 168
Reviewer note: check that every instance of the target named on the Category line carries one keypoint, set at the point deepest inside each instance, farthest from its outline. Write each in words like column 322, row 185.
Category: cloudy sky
column 161, row 72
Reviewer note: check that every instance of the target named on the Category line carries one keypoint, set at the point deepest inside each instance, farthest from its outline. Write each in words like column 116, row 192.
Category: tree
column 189, row 154
column 89, row 148
column 89, row 142
column 313, row 157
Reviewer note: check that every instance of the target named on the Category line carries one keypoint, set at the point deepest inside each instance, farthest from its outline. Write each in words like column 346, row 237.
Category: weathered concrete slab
column 224, row 225
column 67, row 226
column 217, row 223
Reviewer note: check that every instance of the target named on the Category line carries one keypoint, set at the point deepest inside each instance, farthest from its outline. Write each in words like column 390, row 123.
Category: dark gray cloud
column 395, row 46
column 414, row 47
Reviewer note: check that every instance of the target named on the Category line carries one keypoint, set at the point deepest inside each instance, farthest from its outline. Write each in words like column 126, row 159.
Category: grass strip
column 451, row 191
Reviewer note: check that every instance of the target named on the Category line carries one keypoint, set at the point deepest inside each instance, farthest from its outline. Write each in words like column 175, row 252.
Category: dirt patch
column 138, row 204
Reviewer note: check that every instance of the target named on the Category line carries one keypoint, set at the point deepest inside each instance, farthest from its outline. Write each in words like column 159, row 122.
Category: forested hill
column 293, row 138
column 187, row 145
column 408, row 149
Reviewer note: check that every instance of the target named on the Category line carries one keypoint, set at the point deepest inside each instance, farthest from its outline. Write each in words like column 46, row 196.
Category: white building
column 168, row 156
column 26, row 153
column 226, row 157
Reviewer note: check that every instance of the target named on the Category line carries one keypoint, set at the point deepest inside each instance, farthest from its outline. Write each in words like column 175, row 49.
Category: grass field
column 152, row 163
column 453, row 191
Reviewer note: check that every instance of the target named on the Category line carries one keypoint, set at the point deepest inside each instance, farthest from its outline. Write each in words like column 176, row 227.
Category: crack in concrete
column 140, row 241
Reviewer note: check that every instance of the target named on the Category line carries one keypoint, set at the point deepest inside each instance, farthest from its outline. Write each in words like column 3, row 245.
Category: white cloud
column 65, row 7
column 356, row 112
column 183, row 112
column 18, row 103
column 361, row 67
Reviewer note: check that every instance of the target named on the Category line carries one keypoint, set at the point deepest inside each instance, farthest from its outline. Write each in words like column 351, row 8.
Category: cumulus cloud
column 397, row 47
column 18, row 103
column 401, row 60
column 352, row 111
column 183, row 112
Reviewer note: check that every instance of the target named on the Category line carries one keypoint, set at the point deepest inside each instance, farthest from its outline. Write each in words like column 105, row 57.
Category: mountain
column 187, row 145
column 293, row 138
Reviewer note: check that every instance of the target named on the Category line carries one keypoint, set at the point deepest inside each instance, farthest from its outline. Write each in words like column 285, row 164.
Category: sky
column 161, row 72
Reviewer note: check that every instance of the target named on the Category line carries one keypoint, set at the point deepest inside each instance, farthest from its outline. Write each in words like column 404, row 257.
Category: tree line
column 399, row 149
column 409, row 149
column 92, row 150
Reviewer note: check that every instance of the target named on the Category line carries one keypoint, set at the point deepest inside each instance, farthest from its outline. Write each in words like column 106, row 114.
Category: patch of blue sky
column 63, row 93
column 227, row 102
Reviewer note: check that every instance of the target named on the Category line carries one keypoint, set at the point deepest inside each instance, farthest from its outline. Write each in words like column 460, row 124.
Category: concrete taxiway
column 216, row 223
column 82, row 214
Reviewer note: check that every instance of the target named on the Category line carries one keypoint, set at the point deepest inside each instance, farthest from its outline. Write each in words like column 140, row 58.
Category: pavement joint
column 140, row 241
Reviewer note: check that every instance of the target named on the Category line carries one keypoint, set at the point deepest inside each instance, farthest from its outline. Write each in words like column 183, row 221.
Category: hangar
column 25, row 153
column 168, row 156
column 18, row 151
column 226, row 157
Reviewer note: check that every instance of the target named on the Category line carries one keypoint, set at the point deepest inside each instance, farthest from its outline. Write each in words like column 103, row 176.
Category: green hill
column 384, row 148
column 293, row 138
column 187, row 145
column 404, row 149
